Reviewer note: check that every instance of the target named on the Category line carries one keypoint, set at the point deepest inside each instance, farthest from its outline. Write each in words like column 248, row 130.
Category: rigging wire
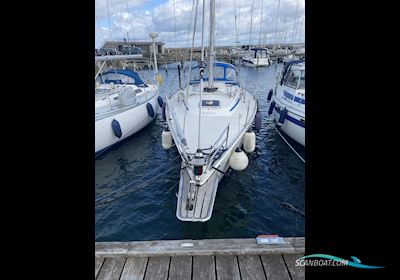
column 109, row 20
column 240, row 6
column 302, row 31
column 131, row 20
column 295, row 22
column 217, row 23
column 187, row 51
column 236, row 24
column 276, row 26
column 101, row 29
column 283, row 35
column 176, row 53
column 201, row 78
column 190, row 62
column 261, row 19
column 251, row 21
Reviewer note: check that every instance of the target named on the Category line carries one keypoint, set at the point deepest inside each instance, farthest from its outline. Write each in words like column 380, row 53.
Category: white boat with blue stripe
column 209, row 122
column 288, row 101
column 124, row 104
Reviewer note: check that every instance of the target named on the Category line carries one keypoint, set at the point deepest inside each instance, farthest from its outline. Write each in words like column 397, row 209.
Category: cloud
column 137, row 18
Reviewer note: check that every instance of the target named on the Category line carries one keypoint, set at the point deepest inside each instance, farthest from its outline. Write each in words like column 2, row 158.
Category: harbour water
column 266, row 198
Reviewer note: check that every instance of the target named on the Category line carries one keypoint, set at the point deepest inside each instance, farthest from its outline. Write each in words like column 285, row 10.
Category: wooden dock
column 218, row 259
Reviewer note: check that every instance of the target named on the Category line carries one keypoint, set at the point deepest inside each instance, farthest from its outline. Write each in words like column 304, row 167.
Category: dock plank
column 157, row 268
column 134, row 269
column 274, row 267
column 227, row 267
column 98, row 261
column 111, row 269
column 180, row 268
column 242, row 246
column 220, row 259
column 251, row 267
column 296, row 272
column 203, row 268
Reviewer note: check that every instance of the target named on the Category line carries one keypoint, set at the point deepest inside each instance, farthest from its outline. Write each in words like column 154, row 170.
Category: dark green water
column 266, row 198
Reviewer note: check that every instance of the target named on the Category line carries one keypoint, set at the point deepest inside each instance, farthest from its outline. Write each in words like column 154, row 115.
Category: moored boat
column 288, row 101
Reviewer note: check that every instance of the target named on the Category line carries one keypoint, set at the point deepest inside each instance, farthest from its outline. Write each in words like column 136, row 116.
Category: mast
column 212, row 28
column 153, row 36
column 109, row 20
column 276, row 26
column 251, row 21
column 201, row 68
column 262, row 8
column 295, row 23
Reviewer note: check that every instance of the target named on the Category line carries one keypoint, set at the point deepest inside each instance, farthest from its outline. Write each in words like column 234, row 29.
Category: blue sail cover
column 222, row 72
column 121, row 76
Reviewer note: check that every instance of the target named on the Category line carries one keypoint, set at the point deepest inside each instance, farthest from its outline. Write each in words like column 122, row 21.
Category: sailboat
column 208, row 122
column 124, row 104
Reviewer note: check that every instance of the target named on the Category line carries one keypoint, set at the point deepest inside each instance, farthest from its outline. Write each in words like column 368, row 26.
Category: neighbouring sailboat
column 124, row 104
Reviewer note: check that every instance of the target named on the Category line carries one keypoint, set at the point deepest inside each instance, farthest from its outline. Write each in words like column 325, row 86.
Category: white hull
column 293, row 130
column 226, row 123
column 288, row 101
column 289, row 58
column 205, row 194
column 294, row 123
column 253, row 62
column 131, row 120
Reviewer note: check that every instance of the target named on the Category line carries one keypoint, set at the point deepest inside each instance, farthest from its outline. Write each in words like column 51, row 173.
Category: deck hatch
column 210, row 103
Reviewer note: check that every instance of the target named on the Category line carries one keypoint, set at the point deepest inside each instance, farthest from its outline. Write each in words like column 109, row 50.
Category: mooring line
column 290, row 146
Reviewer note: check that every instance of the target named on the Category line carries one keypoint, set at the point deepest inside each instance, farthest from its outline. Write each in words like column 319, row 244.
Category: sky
column 244, row 21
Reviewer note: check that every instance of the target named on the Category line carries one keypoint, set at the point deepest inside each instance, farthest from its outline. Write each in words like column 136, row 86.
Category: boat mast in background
column 276, row 26
column 211, row 53
column 157, row 76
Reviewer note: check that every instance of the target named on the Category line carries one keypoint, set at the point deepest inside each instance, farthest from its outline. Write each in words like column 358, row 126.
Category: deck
column 219, row 259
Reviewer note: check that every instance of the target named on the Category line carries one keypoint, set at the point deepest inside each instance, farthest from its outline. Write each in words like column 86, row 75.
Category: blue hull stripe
column 237, row 102
column 290, row 118
column 292, row 97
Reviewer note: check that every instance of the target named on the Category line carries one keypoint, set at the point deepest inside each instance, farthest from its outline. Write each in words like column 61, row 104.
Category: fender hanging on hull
column 116, row 128
column 282, row 115
column 160, row 101
column 270, row 94
column 164, row 116
column 150, row 110
column 271, row 107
